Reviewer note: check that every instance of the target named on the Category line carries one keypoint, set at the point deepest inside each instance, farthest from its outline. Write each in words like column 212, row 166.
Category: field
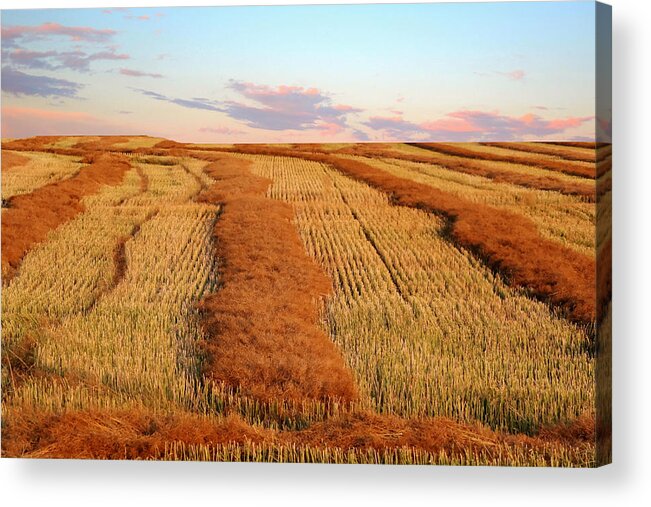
column 352, row 303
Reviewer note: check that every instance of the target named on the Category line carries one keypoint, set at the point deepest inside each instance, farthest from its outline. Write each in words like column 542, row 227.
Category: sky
column 339, row 73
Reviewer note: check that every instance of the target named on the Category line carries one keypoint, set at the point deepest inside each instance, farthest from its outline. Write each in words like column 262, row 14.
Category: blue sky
column 430, row 72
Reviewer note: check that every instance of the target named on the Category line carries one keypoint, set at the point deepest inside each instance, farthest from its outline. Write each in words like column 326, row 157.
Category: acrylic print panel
column 388, row 246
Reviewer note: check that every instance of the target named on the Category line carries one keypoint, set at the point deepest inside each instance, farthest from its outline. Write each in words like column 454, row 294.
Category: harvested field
column 344, row 303
column 31, row 216
column 398, row 330
column 565, row 219
column 500, row 155
column 567, row 153
column 36, row 170
column 528, row 176
column 508, row 242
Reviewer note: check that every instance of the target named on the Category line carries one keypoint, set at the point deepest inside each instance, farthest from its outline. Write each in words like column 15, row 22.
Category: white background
column 626, row 482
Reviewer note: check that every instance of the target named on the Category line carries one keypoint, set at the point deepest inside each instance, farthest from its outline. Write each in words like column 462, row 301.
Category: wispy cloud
column 194, row 103
column 138, row 73
column 12, row 34
column 53, row 60
column 16, row 82
column 287, row 108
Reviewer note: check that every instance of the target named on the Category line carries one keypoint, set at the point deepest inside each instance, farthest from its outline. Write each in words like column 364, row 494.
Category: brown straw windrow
column 578, row 144
column 30, row 217
column 262, row 324
column 585, row 191
column 101, row 144
column 36, row 143
column 554, row 150
column 12, row 160
column 507, row 242
column 142, row 434
column 562, row 166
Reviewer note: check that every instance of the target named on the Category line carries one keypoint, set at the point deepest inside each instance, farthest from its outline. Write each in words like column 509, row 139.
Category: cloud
column 19, row 83
column 53, row 60
column 330, row 129
column 29, row 59
column 195, row 103
column 12, row 34
column 393, row 126
column 515, row 75
column 279, row 108
column 140, row 18
column 227, row 131
column 138, row 73
column 26, row 122
column 467, row 125
column 287, row 108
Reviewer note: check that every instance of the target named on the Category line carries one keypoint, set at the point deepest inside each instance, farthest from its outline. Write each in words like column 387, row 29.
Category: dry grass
column 427, row 330
column 99, row 340
column 358, row 438
column 563, row 152
column 565, row 219
column 261, row 323
column 11, row 160
column 106, row 355
column 508, row 242
column 37, row 170
column 585, row 170
column 32, row 216
column 501, row 172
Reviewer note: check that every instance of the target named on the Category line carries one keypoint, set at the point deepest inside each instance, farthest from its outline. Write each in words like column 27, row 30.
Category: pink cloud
column 330, row 129
column 516, row 75
column 26, row 122
column 138, row 73
column 450, row 124
column 286, row 107
column 566, row 123
column 11, row 34
column 466, row 125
